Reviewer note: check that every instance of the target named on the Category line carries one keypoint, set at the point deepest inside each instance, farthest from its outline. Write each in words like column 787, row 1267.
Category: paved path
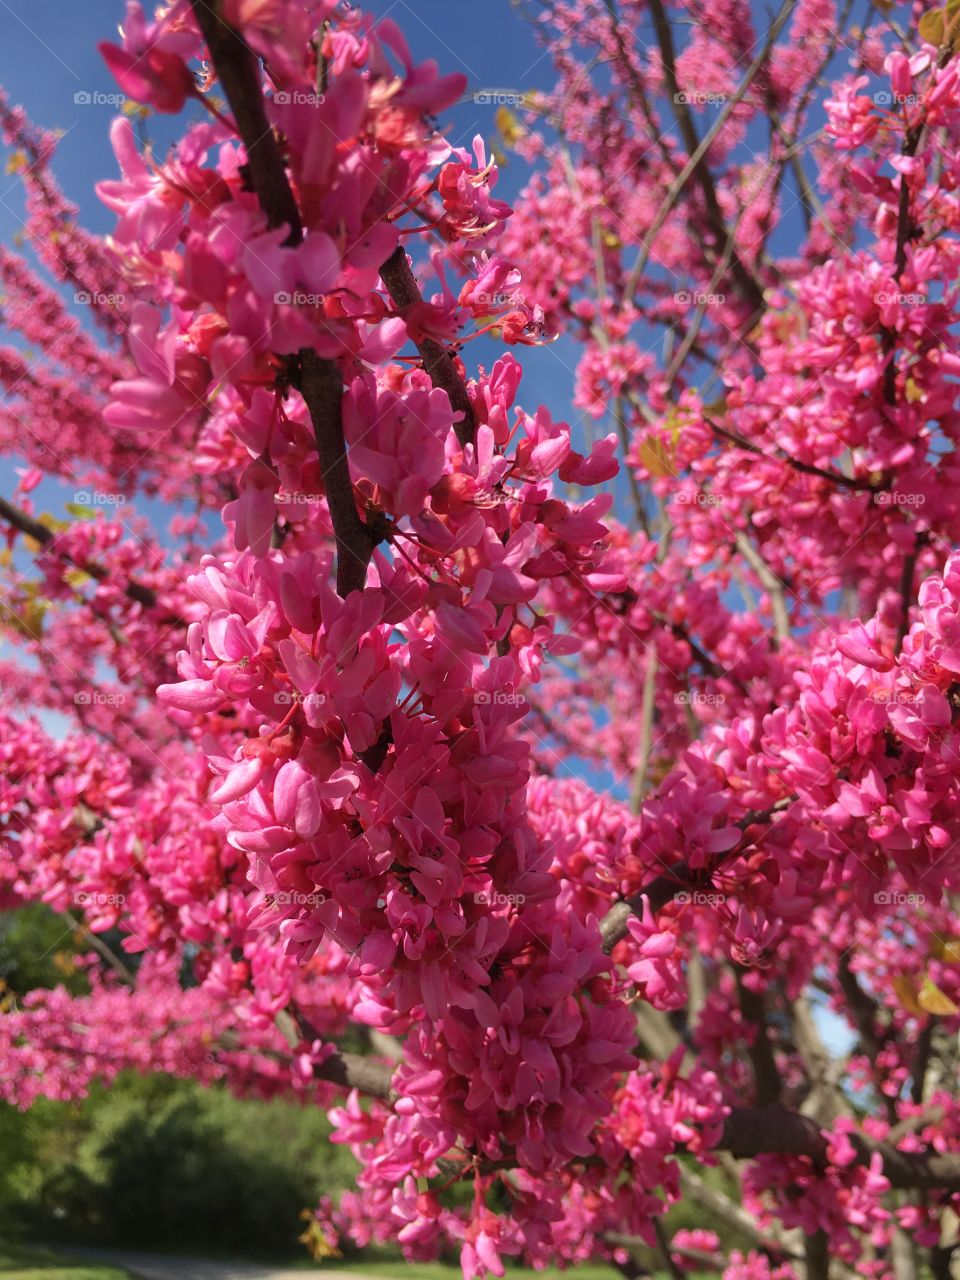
column 156, row 1266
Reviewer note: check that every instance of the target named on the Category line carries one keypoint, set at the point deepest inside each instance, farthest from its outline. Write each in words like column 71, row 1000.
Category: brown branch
column 754, row 1131
column 239, row 76
column 353, row 1071
column 437, row 360
column 863, row 1007
column 126, row 974
column 40, row 533
column 921, row 1061
column 664, row 888
column 907, row 571
column 752, row 290
column 771, row 583
column 318, row 379
column 817, row 1256
column 322, row 389
column 806, row 468
column 747, row 1132
column 663, row 1244
column 719, row 1204
column 647, row 712
column 753, row 1007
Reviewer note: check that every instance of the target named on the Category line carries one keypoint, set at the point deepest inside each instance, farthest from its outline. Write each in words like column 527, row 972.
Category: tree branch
column 753, row 1007
column 752, row 290
column 437, row 360
column 239, row 76
column 40, row 533
column 773, row 586
column 318, row 379
column 322, row 389
column 664, row 888
column 806, row 468
column 754, row 1131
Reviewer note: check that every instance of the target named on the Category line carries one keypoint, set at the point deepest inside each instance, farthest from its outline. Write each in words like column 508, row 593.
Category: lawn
column 439, row 1271
column 40, row 1264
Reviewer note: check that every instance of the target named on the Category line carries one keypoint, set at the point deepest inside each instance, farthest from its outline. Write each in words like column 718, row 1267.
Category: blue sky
column 49, row 55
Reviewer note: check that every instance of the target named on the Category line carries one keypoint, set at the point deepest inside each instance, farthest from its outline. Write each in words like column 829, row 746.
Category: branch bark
column 753, row 1131
column 322, row 389
column 317, row 378
column 437, row 360
column 663, row 888
column 239, row 77
column 40, row 533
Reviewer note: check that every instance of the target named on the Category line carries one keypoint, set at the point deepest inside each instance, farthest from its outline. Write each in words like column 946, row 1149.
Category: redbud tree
column 567, row 807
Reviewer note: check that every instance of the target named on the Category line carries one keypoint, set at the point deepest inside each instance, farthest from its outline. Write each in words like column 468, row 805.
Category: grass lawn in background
column 40, row 1264
column 441, row 1271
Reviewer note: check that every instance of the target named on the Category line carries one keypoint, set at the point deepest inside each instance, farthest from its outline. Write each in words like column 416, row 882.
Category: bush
column 160, row 1163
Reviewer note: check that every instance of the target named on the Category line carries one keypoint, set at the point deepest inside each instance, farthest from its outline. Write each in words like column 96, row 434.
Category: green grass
column 40, row 1264
column 440, row 1271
